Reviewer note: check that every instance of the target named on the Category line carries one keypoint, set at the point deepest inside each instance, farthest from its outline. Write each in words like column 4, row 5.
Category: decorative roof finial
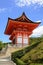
column 23, row 13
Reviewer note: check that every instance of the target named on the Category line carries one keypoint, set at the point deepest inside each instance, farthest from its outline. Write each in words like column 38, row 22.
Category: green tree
column 1, row 45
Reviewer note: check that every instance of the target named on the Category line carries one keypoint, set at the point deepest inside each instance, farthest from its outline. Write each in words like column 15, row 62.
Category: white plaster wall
column 19, row 40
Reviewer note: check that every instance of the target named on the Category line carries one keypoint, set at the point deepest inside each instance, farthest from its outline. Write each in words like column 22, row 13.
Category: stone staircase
column 5, row 57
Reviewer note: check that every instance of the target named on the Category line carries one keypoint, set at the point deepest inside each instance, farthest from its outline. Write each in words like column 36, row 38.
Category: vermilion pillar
column 22, row 40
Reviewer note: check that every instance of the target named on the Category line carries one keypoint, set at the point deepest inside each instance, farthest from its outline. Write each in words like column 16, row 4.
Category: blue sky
column 14, row 8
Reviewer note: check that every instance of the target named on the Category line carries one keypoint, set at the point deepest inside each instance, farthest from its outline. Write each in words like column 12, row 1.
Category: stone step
column 6, row 62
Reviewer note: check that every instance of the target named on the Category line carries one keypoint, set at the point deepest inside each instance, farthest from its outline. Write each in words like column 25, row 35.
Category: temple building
column 20, row 29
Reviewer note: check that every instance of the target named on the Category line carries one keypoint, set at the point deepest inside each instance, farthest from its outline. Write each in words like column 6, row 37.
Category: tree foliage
column 1, row 45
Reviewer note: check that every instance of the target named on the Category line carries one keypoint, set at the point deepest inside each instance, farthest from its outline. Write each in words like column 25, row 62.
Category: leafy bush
column 20, row 53
column 35, row 64
column 2, row 45
column 33, row 40
column 31, row 47
column 19, row 62
column 17, row 54
column 38, row 61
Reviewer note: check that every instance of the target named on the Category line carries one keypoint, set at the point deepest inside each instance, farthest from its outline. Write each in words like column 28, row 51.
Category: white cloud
column 38, row 32
column 2, row 9
column 21, row 3
column 38, row 21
